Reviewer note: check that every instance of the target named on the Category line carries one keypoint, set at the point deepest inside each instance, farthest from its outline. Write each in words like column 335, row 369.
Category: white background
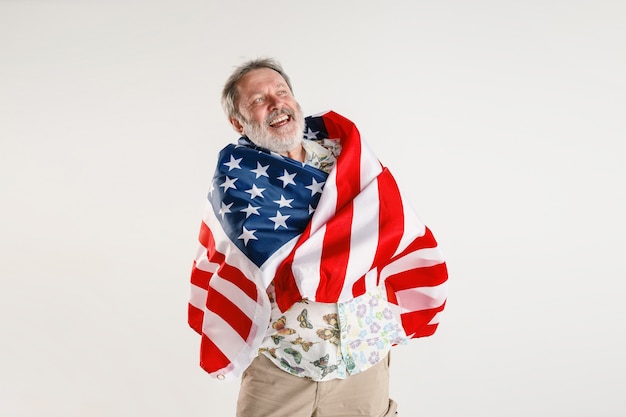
column 504, row 121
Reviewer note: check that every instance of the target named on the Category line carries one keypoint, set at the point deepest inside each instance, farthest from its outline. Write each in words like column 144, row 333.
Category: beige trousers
column 267, row 391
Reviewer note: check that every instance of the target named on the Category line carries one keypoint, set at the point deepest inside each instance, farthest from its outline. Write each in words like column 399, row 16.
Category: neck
column 297, row 153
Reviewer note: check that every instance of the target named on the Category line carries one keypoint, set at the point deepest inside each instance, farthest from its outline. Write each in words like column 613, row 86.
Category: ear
column 237, row 126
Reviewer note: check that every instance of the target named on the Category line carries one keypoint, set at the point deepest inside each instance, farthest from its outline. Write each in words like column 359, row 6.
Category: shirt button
column 221, row 377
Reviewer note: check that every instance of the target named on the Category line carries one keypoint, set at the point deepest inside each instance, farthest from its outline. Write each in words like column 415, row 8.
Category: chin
column 280, row 142
column 285, row 145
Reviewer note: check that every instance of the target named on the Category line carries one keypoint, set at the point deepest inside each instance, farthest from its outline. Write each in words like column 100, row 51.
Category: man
column 311, row 265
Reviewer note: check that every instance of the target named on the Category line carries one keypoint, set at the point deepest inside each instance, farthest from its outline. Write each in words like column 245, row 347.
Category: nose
column 275, row 102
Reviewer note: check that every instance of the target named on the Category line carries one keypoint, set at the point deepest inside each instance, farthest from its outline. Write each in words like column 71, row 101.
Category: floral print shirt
column 323, row 341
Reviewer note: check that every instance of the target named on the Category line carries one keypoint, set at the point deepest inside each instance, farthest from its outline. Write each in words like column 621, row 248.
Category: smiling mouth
column 280, row 121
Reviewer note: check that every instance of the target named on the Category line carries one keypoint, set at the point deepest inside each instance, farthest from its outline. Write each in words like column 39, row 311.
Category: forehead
column 258, row 80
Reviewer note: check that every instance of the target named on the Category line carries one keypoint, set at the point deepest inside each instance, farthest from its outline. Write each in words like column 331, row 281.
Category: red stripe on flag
column 234, row 275
column 226, row 271
column 335, row 250
column 390, row 225
column 335, row 255
column 199, row 277
column 208, row 241
column 348, row 167
column 390, row 220
column 227, row 310
column 194, row 318
column 206, row 237
column 427, row 276
column 287, row 292
column 211, row 357
column 417, row 322
column 427, row 240
column 359, row 288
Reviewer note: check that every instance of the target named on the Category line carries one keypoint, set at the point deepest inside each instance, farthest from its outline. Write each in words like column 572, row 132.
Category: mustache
column 289, row 112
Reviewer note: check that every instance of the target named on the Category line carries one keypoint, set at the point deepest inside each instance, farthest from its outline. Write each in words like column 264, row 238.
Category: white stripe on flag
column 370, row 167
column 363, row 239
column 327, row 204
column 306, row 264
column 235, row 295
column 197, row 297
column 370, row 279
column 203, row 264
column 436, row 319
column 413, row 226
column 422, row 298
column 222, row 334
column 417, row 259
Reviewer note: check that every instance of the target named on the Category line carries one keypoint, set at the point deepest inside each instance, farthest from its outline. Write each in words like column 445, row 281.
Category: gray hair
column 230, row 94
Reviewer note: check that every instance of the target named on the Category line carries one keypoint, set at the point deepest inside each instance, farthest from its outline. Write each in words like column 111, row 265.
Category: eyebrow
column 278, row 85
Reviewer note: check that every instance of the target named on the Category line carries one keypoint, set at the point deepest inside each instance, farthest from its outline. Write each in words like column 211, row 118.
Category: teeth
column 279, row 119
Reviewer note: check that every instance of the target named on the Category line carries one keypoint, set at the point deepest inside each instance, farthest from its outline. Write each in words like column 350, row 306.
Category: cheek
column 295, row 106
column 257, row 116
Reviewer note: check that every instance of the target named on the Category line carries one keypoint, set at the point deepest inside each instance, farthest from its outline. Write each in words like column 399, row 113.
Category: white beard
column 261, row 134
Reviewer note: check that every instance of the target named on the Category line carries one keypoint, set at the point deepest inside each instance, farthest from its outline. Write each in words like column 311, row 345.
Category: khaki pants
column 267, row 391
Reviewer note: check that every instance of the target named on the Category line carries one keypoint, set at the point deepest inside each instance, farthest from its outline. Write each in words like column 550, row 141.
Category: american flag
column 267, row 219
